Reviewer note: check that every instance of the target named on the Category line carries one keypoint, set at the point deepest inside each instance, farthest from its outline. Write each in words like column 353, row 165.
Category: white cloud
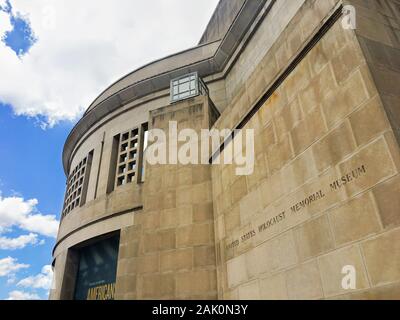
column 5, row 23
column 15, row 211
column 11, row 280
column 9, row 266
column 18, row 243
column 83, row 47
column 42, row 280
column 22, row 295
column 3, row 3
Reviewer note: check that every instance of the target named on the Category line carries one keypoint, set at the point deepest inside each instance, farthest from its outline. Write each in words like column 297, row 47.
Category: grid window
column 127, row 158
column 128, row 149
column 76, row 184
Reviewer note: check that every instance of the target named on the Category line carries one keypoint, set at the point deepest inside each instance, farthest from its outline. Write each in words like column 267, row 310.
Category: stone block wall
column 378, row 32
column 323, row 194
column 169, row 252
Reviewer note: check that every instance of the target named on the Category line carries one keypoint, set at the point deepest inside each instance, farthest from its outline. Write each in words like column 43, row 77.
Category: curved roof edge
column 207, row 59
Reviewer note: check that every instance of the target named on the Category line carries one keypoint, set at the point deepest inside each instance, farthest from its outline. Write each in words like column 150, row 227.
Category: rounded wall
column 104, row 210
column 117, row 210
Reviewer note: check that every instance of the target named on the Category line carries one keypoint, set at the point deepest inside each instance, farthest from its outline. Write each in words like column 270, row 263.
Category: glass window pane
column 184, row 87
column 183, row 80
column 184, row 95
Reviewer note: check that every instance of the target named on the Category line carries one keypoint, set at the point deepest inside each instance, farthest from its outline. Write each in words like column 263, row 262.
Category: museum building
column 319, row 216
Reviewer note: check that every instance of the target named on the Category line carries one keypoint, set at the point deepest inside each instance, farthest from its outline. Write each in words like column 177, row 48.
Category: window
column 186, row 87
column 127, row 158
column 77, row 183
column 126, row 167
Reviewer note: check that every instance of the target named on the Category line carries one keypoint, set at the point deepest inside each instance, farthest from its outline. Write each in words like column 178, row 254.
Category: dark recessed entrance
column 97, row 270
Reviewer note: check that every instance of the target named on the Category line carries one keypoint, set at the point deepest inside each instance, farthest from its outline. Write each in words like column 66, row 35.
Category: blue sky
column 30, row 168
column 51, row 68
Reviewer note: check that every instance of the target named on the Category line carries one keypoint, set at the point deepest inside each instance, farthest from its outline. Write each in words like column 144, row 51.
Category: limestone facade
column 323, row 102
